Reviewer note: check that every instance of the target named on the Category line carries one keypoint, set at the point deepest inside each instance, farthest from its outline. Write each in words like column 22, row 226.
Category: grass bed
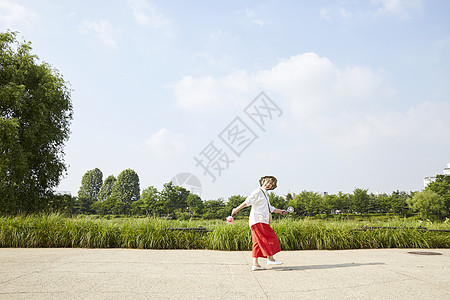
column 54, row 230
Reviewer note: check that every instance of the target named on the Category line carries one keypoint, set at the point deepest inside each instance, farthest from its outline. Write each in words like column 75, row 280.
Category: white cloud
column 330, row 13
column 104, row 31
column 400, row 8
column 349, row 108
column 147, row 15
column 306, row 81
column 345, row 14
column 325, row 13
column 208, row 93
column 165, row 143
column 249, row 16
column 345, row 10
column 438, row 53
column 221, row 62
column 423, row 123
column 13, row 14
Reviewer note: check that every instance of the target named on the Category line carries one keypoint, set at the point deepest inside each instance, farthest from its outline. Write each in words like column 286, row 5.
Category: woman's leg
column 266, row 240
column 255, row 262
column 256, row 249
column 256, row 253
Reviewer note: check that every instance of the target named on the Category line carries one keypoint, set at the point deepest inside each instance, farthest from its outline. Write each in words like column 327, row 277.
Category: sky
column 327, row 96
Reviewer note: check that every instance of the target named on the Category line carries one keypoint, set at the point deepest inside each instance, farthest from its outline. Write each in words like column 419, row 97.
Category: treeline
column 122, row 196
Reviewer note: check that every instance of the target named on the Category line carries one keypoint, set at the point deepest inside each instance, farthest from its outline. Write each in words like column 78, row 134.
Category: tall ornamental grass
column 54, row 230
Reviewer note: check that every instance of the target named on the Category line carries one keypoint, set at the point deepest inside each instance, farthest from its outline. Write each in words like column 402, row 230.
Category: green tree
column 174, row 198
column 181, row 199
column 298, row 205
column 428, row 203
column 235, row 201
column 35, row 114
column 289, row 197
column 360, row 201
column 442, row 187
column 307, row 203
column 343, row 202
column 215, row 209
column 104, row 204
column 61, row 203
column 125, row 191
column 329, row 203
column 106, row 207
column 398, row 202
column 383, row 202
column 91, row 183
column 195, row 204
column 278, row 202
column 106, row 188
column 148, row 203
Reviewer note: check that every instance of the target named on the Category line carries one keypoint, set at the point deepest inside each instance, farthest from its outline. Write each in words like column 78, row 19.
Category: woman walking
column 265, row 240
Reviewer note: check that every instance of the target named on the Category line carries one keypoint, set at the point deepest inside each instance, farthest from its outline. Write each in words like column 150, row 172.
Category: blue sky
column 362, row 87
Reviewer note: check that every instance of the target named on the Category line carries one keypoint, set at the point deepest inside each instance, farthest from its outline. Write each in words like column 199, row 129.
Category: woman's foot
column 257, row 268
column 273, row 261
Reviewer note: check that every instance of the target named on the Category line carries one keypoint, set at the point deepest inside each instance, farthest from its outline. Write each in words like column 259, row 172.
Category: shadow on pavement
column 319, row 267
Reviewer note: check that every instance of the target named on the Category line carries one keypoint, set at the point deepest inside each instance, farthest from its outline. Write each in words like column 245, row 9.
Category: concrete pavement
column 205, row 274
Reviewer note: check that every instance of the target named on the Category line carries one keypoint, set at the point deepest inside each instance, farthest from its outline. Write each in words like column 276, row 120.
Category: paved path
column 205, row 274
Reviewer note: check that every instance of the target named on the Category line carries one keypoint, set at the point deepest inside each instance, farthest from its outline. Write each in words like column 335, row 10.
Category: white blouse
column 260, row 203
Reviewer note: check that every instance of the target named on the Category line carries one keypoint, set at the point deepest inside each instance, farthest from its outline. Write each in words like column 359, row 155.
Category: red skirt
column 265, row 240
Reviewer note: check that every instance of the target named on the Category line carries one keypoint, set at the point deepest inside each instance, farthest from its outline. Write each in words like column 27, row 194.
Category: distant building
column 378, row 193
column 63, row 193
column 447, row 170
column 285, row 196
column 430, row 179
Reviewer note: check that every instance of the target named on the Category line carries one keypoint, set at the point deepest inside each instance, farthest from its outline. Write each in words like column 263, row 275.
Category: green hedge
column 54, row 230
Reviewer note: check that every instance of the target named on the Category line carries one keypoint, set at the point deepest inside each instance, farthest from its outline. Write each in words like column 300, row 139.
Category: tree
column 278, row 202
column 106, row 189
column 307, row 202
column 343, row 202
column 148, row 204
column 181, row 198
column 429, row 204
column 91, row 184
column 383, row 202
column 88, row 192
column 125, row 190
column 398, row 202
column 215, row 209
column 195, row 204
column 62, row 203
column 174, row 198
column 360, row 201
column 35, row 114
column 442, row 187
column 298, row 205
column 329, row 203
column 235, row 201
column 105, row 204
